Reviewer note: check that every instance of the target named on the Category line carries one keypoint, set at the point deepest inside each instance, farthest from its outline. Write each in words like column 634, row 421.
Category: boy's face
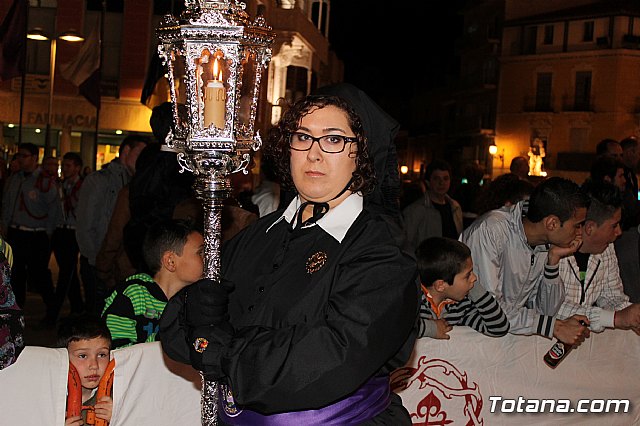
column 190, row 264
column 462, row 282
column 70, row 169
column 598, row 237
column 90, row 357
column 440, row 182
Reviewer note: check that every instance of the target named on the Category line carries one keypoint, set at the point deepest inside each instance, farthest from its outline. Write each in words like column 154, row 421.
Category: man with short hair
column 520, row 167
column 435, row 214
column 93, row 213
column 516, row 257
column 630, row 156
column 591, row 276
column 50, row 166
column 28, row 218
column 610, row 148
column 608, row 169
column 63, row 242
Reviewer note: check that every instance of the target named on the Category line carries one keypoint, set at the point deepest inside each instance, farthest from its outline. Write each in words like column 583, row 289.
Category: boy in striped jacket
column 449, row 295
column 173, row 252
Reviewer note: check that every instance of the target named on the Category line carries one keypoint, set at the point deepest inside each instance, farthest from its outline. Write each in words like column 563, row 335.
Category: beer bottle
column 558, row 352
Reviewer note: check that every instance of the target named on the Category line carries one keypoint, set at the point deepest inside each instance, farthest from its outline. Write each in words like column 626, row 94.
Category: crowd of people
column 329, row 272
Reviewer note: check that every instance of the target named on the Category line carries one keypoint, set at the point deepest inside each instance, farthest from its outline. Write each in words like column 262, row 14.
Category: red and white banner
column 462, row 380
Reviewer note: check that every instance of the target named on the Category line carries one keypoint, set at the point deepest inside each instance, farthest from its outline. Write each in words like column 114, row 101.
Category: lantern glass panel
column 179, row 88
column 212, row 72
column 247, row 105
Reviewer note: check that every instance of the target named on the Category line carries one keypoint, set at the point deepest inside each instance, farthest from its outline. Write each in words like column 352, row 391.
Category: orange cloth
column 437, row 308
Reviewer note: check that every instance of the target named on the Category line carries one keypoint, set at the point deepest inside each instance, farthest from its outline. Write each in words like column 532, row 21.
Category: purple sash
column 368, row 401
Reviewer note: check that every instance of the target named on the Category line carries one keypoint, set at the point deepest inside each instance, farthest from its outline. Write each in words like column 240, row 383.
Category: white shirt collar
column 336, row 222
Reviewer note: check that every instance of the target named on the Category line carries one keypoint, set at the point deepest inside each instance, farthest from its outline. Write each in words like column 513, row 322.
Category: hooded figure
column 317, row 302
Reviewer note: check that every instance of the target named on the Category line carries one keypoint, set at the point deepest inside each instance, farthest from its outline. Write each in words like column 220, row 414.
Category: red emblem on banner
column 440, row 387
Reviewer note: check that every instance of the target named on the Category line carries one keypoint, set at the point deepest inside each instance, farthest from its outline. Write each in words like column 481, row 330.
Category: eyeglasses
column 331, row 144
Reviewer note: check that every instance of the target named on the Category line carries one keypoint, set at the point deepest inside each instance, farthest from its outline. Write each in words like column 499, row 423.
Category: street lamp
column 493, row 150
column 39, row 34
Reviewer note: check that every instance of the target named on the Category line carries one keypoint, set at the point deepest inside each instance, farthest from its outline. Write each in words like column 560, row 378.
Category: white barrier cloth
column 473, row 379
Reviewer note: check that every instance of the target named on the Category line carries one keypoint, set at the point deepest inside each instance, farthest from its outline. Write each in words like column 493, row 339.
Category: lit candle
column 215, row 99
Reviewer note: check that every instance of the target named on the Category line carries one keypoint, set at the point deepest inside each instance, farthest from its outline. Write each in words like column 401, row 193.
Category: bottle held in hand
column 558, row 352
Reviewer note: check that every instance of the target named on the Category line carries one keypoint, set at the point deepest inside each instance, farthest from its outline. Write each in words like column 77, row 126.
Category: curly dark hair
column 278, row 151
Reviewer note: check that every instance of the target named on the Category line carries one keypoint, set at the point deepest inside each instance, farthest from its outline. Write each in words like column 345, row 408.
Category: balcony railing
column 538, row 104
column 570, row 104
column 630, row 41
column 287, row 22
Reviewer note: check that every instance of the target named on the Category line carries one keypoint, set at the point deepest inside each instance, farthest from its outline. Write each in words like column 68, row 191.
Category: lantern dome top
column 204, row 19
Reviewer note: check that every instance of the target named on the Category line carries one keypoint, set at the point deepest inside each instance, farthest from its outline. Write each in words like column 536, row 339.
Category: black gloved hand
column 207, row 303
column 173, row 333
column 207, row 344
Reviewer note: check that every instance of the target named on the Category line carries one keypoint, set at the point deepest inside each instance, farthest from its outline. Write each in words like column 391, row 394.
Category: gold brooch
column 200, row 344
column 316, row 261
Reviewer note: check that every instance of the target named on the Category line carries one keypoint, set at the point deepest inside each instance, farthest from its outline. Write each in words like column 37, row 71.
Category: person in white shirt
column 591, row 276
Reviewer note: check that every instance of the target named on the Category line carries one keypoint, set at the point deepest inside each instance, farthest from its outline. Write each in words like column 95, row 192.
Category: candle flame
column 217, row 70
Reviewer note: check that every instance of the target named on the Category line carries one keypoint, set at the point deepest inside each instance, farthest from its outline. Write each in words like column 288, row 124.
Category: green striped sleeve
column 121, row 327
column 142, row 300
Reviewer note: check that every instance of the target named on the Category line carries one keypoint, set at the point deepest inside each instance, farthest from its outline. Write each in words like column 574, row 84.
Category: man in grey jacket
column 516, row 255
column 95, row 205
column 435, row 214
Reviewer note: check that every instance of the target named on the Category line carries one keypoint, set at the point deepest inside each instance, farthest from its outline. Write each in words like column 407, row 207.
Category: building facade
column 567, row 80
column 546, row 80
column 302, row 60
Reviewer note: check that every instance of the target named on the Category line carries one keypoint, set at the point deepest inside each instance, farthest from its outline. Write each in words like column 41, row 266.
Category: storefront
column 73, row 125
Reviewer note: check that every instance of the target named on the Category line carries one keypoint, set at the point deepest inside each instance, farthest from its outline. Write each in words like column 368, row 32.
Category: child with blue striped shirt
column 450, row 296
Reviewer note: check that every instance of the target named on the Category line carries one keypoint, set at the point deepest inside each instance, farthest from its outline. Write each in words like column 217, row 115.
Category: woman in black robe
column 317, row 303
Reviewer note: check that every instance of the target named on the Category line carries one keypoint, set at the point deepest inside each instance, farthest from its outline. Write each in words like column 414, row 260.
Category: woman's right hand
column 207, row 303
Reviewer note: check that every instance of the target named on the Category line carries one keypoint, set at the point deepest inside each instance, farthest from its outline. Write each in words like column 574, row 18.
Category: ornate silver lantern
column 215, row 57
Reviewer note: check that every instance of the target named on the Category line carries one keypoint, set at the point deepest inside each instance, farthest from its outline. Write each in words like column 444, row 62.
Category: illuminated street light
column 39, row 34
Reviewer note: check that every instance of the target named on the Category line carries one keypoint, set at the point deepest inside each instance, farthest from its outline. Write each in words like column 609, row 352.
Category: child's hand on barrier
column 443, row 328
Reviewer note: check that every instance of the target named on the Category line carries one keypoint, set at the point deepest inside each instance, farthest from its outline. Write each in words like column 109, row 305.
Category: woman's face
column 319, row 176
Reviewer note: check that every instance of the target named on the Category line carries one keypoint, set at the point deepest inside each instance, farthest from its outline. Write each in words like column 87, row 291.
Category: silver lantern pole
column 215, row 57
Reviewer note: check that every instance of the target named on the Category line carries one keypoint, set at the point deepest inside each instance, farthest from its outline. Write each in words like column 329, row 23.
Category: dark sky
column 393, row 53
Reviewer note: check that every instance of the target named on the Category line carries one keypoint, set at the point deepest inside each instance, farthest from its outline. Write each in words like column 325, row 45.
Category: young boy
column 449, row 295
column 88, row 343
column 173, row 251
